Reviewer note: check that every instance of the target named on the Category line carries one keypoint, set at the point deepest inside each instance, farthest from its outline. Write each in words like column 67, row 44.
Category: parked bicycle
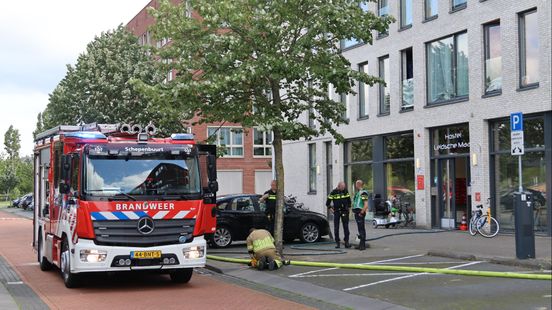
column 486, row 225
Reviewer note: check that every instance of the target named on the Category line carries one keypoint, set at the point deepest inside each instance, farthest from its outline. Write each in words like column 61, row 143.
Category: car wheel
column 222, row 237
column 182, row 275
column 310, row 232
column 374, row 223
column 43, row 262
column 70, row 279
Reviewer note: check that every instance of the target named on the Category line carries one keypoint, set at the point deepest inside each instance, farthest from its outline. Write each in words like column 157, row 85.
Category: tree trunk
column 278, row 158
column 278, row 161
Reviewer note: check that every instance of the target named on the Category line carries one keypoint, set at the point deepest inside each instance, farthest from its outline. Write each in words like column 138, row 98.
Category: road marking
column 299, row 275
column 14, row 283
column 405, row 277
column 424, row 263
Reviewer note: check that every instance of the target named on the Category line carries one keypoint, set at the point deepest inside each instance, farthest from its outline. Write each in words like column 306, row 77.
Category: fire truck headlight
column 194, row 252
column 93, row 256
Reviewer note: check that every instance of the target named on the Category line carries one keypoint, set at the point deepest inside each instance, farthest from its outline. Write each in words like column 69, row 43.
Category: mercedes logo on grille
column 145, row 225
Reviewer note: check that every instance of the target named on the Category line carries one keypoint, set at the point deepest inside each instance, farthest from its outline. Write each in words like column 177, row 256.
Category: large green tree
column 97, row 88
column 12, row 143
column 263, row 63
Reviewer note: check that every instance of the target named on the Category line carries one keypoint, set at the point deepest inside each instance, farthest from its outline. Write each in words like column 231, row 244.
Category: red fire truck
column 111, row 197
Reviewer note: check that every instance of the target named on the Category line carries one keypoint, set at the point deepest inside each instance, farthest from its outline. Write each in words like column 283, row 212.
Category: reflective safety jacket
column 270, row 202
column 359, row 199
column 340, row 198
column 258, row 240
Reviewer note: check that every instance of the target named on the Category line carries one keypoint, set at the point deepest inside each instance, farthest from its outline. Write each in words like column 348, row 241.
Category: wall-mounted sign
column 450, row 140
column 477, row 196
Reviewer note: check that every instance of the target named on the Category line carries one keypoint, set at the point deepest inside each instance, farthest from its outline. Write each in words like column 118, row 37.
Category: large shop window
column 358, row 163
column 399, row 167
column 505, row 167
column 447, row 68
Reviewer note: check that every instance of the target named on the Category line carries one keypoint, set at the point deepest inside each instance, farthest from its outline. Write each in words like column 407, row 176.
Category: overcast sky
column 38, row 39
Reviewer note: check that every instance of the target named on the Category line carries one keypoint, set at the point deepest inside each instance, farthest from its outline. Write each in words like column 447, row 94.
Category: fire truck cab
column 111, row 197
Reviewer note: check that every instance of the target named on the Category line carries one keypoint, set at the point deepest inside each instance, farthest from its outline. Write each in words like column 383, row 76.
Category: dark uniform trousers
column 340, row 201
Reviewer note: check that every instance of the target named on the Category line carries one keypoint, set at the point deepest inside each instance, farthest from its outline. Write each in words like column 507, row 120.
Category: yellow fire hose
column 461, row 272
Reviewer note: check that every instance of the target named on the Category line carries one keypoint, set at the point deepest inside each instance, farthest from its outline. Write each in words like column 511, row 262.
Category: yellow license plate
column 145, row 254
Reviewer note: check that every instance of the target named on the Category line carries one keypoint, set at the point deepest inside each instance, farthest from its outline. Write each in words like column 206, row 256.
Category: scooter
column 385, row 213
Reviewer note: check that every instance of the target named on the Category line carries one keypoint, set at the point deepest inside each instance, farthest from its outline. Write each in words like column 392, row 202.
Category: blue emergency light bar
column 85, row 135
column 182, row 136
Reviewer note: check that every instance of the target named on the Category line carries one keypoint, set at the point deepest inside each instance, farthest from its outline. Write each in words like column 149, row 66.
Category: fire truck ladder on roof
column 94, row 127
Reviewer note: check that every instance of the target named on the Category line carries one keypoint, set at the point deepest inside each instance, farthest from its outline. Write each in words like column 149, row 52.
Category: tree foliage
column 12, row 142
column 262, row 63
column 97, row 88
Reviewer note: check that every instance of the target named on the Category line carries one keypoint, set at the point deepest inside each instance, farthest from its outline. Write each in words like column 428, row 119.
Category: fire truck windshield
column 159, row 174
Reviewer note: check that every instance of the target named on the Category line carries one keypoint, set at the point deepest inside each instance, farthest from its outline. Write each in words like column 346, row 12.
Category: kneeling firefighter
column 260, row 246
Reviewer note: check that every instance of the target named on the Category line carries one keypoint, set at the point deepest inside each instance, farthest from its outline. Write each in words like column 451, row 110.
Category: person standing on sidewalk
column 360, row 207
column 339, row 202
column 269, row 199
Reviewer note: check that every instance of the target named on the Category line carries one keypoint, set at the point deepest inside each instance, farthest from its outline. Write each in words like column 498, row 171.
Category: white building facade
column 438, row 135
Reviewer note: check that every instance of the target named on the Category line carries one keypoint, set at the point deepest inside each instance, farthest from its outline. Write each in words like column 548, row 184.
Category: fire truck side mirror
column 211, row 168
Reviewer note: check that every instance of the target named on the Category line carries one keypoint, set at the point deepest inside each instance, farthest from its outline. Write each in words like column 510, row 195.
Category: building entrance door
column 452, row 199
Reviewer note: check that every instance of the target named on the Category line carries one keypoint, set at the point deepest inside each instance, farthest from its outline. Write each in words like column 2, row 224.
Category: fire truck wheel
column 182, row 275
column 45, row 265
column 70, row 279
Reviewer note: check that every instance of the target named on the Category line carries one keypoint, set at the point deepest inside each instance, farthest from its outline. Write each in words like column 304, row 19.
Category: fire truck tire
column 182, row 275
column 45, row 265
column 70, row 279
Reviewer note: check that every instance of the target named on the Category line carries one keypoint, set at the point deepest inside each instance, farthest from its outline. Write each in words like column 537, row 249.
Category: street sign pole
column 517, row 143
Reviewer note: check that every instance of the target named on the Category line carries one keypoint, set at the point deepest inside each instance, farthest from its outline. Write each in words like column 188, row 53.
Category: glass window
column 229, row 138
column 149, row 174
column 458, row 4
column 343, row 100
column 533, row 128
column 383, row 10
column 507, row 182
column 352, row 42
column 310, row 114
column 262, row 143
column 359, row 150
column 451, row 140
column 399, row 146
column 360, row 172
column 406, row 13
column 529, row 48
column 400, row 181
column 363, row 93
column 493, row 58
column 431, row 8
column 384, row 93
column 407, row 78
column 312, row 167
column 447, row 68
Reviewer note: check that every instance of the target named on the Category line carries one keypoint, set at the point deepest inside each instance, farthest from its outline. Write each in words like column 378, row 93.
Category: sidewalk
column 6, row 300
column 454, row 243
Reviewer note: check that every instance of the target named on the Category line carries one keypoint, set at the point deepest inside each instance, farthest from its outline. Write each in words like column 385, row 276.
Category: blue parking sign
column 516, row 121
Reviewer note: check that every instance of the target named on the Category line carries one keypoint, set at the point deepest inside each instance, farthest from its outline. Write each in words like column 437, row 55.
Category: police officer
column 260, row 246
column 269, row 198
column 360, row 207
column 339, row 202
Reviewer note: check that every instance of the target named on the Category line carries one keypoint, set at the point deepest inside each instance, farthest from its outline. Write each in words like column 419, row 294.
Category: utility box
column 524, row 223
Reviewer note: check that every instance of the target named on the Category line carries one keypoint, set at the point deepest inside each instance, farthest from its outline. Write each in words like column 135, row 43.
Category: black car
column 26, row 201
column 237, row 214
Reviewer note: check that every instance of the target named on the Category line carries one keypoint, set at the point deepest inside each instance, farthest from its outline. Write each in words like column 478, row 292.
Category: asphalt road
column 120, row 291
column 421, row 290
